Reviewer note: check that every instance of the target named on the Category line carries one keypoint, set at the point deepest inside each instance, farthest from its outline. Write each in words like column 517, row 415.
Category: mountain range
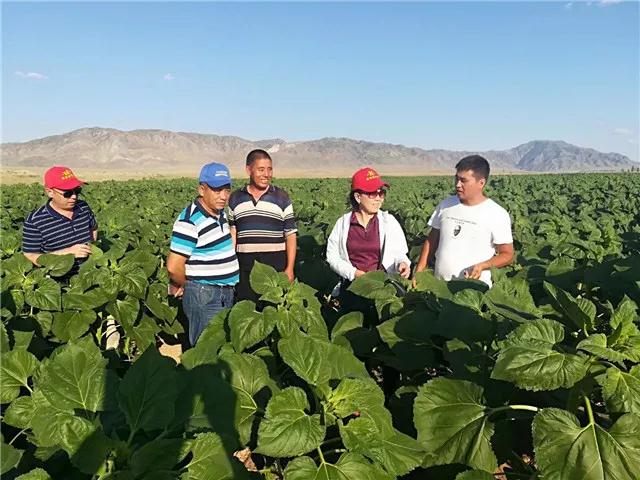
column 163, row 150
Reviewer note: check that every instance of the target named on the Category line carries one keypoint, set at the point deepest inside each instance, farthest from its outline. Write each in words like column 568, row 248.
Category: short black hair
column 477, row 164
column 256, row 154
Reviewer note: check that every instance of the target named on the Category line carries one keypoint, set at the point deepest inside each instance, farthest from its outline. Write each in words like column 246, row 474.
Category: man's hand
column 475, row 271
column 175, row 290
column 79, row 250
column 289, row 273
column 358, row 273
column 404, row 270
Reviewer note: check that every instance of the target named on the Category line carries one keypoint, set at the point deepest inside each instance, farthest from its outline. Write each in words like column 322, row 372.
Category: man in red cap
column 65, row 224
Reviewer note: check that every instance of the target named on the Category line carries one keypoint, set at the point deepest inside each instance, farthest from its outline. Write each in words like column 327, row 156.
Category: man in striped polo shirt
column 202, row 264
column 64, row 225
column 262, row 224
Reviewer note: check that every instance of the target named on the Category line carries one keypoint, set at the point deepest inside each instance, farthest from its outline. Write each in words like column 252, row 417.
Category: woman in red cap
column 367, row 238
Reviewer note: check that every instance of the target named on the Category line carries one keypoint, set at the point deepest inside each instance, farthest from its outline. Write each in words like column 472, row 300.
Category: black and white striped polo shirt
column 45, row 230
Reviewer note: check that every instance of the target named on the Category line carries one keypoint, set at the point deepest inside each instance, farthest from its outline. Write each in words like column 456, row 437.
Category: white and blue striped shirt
column 206, row 243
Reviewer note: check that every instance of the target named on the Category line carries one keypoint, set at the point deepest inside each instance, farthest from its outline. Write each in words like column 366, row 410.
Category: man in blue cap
column 202, row 264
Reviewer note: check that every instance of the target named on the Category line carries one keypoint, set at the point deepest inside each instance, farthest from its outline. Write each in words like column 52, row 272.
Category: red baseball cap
column 62, row 178
column 367, row 180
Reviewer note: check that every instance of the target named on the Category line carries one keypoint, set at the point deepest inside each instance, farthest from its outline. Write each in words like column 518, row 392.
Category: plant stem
column 131, row 435
column 336, row 450
column 321, row 455
column 587, row 405
column 17, row 435
column 514, row 407
column 331, row 440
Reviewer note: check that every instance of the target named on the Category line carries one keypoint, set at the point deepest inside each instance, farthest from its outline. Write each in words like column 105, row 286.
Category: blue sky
column 472, row 76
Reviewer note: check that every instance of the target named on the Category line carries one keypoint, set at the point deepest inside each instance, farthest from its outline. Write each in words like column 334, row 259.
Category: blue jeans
column 201, row 302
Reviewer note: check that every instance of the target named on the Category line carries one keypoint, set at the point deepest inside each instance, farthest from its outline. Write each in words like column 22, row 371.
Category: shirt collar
column 353, row 220
column 56, row 214
column 202, row 210
column 245, row 189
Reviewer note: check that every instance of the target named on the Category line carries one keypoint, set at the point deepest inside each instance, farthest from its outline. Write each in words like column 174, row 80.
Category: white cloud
column 605, row 3
column 568, row 6
column 622, row 131
column 32, row 75
column 633, row 141
column 168, row 77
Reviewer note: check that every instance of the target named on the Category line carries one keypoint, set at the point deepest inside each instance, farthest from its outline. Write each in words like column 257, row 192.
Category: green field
column 537, row 378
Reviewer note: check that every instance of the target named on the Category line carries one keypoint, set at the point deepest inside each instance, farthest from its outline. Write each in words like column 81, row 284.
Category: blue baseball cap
column 215, row 175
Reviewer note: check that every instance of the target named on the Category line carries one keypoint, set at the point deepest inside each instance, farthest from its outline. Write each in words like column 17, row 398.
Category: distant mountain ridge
column 164, row 150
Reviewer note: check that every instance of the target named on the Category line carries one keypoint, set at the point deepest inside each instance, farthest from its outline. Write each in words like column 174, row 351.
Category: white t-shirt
column 468, row 235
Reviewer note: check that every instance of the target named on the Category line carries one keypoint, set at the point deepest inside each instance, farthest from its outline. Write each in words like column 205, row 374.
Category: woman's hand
column 359, row 273
column 404, row 270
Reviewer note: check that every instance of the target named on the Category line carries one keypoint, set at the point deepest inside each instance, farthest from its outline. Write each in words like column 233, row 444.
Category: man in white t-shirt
column 470, row 233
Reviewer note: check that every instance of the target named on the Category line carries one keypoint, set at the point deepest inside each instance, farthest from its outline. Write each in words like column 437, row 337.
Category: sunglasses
column 378, row 193
column 69, row 193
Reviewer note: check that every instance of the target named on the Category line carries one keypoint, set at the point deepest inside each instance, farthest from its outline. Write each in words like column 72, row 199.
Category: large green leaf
column 248, row 327
column 155, row 305
column 355, row 396
column 76, row 377
column 213, row 337
column 85, row 300
column 47, row 421
column 317, row 361
column 453, row 424
column 14, row 269
column 426, row 281
column 86, row 444
column 621, row 390
column 373, row 286
column 4, row 339
column 56, row 265
column 287, row 430
column 266, row 281
column 596, row 344
column 133, row 282
column 9, row 457
column 211, row 461
column 350, row 466
column 46, row 295
column 148, row 392
column 622, row 321
column 35, row 474
column 581, row 312
column 72, row 324
column 529, row 359
column 125, row 312
column 15, row 369
column 512, row 299
column 567, row 451
column 347, row 323
column 249, row 379
column 19, row 413
column 396, row 452
column 161, row 454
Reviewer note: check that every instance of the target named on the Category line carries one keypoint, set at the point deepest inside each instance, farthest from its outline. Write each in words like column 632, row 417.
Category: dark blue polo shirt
column 45, row 230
